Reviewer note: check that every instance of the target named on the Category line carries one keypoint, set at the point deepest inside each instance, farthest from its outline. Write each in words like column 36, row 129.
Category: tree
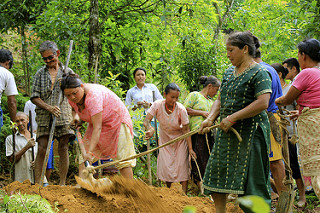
column 276, row 23
column 94, row 44
column 16, row 16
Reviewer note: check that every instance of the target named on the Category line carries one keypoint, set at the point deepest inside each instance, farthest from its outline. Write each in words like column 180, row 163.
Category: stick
column 32, row 148
column 44, row 166
column 286, row 198
column 155, row 120
column 14, row 147
column 166, row 144
column 148, row 146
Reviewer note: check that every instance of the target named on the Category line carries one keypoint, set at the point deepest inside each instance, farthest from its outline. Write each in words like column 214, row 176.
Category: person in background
column 275, row 156
column 141, row 96
column 173, row 160
column 45, row 95
column 294, row 164
column 7, row 84
column 29, row 106
column 293, row 67
column 22, row 153
column 240, row 167
column 109, row 133
column 198, row 105
column 305, row 90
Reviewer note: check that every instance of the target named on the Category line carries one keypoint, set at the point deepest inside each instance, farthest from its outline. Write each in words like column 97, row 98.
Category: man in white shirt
column 22, row 153
column 7, row 84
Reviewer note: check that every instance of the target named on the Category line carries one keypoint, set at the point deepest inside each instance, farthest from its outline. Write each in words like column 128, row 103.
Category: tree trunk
column 94, row 44
column 25, row 60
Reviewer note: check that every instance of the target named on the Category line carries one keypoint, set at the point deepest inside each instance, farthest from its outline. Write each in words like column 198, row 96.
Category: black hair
column 70, row 80
column 6, row 55
column 206, row 80
column 292, row 62
column 311, row 47
column 136, row 70
column 49, row 45
column 171, row 86
column 258, row 53
column 241, row 39
column 280, row 69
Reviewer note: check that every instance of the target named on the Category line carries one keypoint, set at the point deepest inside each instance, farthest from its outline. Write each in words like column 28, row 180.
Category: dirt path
column 123, row 196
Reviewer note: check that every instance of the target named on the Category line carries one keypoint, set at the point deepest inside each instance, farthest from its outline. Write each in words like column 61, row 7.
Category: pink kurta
column 114, row 112
column 307, row 82
column 173, row 161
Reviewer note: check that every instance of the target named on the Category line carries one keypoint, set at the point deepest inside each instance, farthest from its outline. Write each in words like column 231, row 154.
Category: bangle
column 233, row 122
column 91, row 153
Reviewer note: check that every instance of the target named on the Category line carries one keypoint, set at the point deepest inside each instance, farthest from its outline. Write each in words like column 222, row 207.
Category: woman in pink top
column 173, row 160
column 306, row 91
column 109, row 134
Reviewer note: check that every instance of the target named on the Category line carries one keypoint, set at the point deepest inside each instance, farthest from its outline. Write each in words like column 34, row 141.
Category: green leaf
column 255, row 203
column 189, row 209
column 5, row 199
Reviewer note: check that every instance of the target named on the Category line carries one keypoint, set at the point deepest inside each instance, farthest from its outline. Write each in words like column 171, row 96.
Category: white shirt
column 135, row 94
column 30, row 106
column 23, row 170
column 7, row 83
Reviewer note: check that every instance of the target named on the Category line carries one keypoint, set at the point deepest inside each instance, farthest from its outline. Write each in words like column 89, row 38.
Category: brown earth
column 122, row 196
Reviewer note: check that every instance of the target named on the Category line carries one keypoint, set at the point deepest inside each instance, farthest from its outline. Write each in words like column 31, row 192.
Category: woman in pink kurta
column 109, row 133
column 305, row 90
column 173, row 160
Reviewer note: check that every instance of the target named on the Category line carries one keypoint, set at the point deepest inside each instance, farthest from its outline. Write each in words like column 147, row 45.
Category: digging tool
column 91, row 183
column 286, row 198
column 44, row 166
column 32, row 148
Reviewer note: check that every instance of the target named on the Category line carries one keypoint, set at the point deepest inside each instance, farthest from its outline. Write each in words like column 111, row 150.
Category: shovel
column 90, row 183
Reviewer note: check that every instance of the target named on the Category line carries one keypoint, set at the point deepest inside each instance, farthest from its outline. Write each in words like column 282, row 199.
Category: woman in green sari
column 240, row 167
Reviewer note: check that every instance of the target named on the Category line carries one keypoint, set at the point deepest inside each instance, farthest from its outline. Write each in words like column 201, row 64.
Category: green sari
column 241, row 167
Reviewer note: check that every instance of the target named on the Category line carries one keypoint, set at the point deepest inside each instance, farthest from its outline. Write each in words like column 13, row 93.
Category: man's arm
column 12, row 107
column 18, row 155
column 55, row 110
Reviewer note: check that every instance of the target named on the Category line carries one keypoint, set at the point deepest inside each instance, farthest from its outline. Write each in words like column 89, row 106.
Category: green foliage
column 140, row 171
column 195, row 61
column 24, row 203
column 276, row 23
column 114, row 84
column 310, row 12
column 189, row 209
column 15, row 14
column 254, row 203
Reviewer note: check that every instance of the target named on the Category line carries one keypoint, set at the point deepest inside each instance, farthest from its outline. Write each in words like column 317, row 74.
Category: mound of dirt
column 122, row 196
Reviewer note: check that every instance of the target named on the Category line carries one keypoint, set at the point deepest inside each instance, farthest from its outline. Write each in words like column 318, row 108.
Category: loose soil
column 122, row 196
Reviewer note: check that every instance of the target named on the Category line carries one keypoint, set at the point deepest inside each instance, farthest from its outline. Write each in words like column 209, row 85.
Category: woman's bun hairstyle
column 203, row 79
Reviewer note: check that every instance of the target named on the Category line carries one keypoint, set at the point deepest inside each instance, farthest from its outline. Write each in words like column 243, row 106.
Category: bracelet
column 233, row 122
column 91, row 153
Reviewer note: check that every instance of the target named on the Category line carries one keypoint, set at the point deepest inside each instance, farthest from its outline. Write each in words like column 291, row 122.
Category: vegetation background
column 174, row 40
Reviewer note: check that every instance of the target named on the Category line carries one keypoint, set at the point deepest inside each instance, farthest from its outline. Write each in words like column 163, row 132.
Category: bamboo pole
column 286, row 198
column 166, row 144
